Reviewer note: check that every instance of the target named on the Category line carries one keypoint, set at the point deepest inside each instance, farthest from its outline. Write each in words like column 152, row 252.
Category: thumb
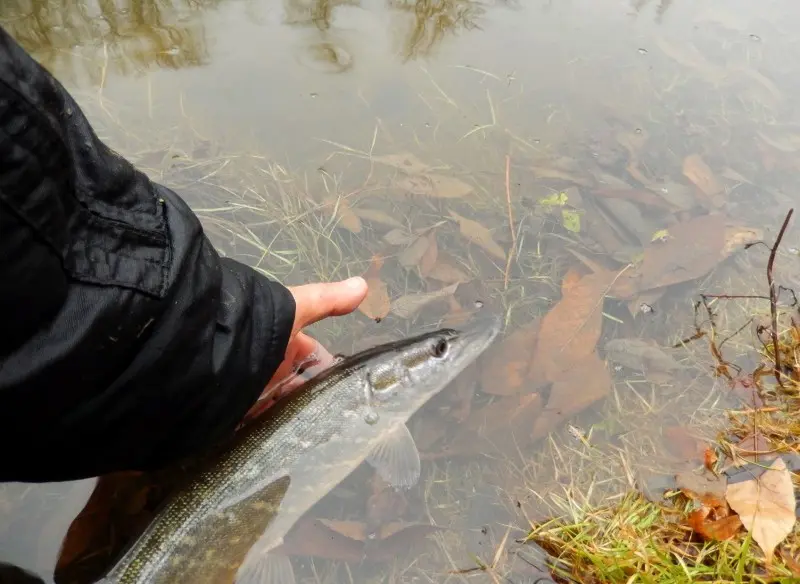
column 317, row 301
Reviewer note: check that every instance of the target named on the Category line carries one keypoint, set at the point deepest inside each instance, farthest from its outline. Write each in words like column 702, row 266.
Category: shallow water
column 262, row 114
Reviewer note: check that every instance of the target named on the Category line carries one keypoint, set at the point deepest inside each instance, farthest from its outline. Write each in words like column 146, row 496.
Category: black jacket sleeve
column 126, row 342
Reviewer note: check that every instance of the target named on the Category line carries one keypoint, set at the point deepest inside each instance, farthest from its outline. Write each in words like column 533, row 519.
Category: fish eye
column 440, row 348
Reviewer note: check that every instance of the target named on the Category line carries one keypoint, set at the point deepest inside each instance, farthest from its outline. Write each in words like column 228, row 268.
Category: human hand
column 314, row 302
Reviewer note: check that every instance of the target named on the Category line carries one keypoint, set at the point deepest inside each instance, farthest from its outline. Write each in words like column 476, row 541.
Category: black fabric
column 126, row 342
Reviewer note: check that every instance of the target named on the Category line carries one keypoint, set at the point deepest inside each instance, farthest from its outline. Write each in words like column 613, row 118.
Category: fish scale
column 236, row 509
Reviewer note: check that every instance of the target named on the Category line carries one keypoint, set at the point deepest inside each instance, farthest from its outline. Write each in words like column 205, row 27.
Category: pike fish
column 225, row 523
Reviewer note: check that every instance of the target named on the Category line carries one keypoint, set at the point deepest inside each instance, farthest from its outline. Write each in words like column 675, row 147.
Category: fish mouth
column 476, row 336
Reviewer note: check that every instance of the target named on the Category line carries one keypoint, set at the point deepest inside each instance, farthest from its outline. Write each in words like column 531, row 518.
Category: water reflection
column 661, row 7
column 79, row 39
column 127, row 37
column 433, row 20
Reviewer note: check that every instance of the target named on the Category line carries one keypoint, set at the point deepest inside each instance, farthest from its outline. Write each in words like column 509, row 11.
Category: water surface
column 300, row 131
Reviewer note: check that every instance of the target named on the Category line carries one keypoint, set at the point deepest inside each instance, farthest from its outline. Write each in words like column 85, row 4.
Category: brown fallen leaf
column 738, row 236
column 399, row 237
column 428, row 259
column 693, row 249
column 404, row 161
column 312, row 537
column 710, row 458
column 503, row 425
column 377, row 303
column 408, row 305
column 435, row 186
column 586, row 382
column 446, row 272
column 351, row 541
column 571, row 280
column 571, row 329
column 705, row 487
column 641, row 196
column 479, row 235
column 755, row 447
column 377, row 216
column 697, row 171
column 505, row 365
column 641, row 355
column 411, row 256
column 386, row 503
column 549, row 172
column 345, row 214
column 766, row 506
column 456, row 314
column 463, row 392
column 718, row 529
column 680, row 442
column 713, row 519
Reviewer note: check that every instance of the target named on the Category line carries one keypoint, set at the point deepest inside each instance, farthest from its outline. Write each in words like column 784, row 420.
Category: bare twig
column 773, row 298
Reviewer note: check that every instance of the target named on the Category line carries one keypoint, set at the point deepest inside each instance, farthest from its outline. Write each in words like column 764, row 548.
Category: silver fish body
column 223, row 525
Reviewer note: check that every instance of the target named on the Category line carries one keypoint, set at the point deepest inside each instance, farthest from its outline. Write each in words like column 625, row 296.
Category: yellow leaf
column 660, row 235
column 559, row 199
column 766, row 506
column 571, row 220
column 479, row 235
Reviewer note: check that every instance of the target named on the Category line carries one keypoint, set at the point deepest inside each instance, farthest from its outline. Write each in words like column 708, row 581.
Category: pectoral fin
column 396, row 458
column 268, row 569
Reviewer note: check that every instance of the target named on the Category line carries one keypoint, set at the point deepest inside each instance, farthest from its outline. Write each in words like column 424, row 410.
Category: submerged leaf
column 399, row 237
column 377, row 216
column 413, row 254
column 695, row 248
column 556, row 173
column 404, row 161
column 697, row 171
column 679, row 441
column 505, row 365
column 479, row 235
column 346, row 216
column 575, row 389
column 435, row 185
column 376, row 304
column 445, row 272
column 571, row 329
column 641, row 355
column 754, row 447
column 408, row 305
column 502, row 425
column 428, row 259
column 766, row 506
column 641, row 196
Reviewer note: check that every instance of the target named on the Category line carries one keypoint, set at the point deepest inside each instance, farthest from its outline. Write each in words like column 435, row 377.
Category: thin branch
column 773, row 298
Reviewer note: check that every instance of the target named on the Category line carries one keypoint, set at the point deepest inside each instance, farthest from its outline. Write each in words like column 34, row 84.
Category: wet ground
column 537, row 156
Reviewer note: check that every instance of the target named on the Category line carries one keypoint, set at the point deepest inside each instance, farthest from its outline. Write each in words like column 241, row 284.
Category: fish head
column 400, row 381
